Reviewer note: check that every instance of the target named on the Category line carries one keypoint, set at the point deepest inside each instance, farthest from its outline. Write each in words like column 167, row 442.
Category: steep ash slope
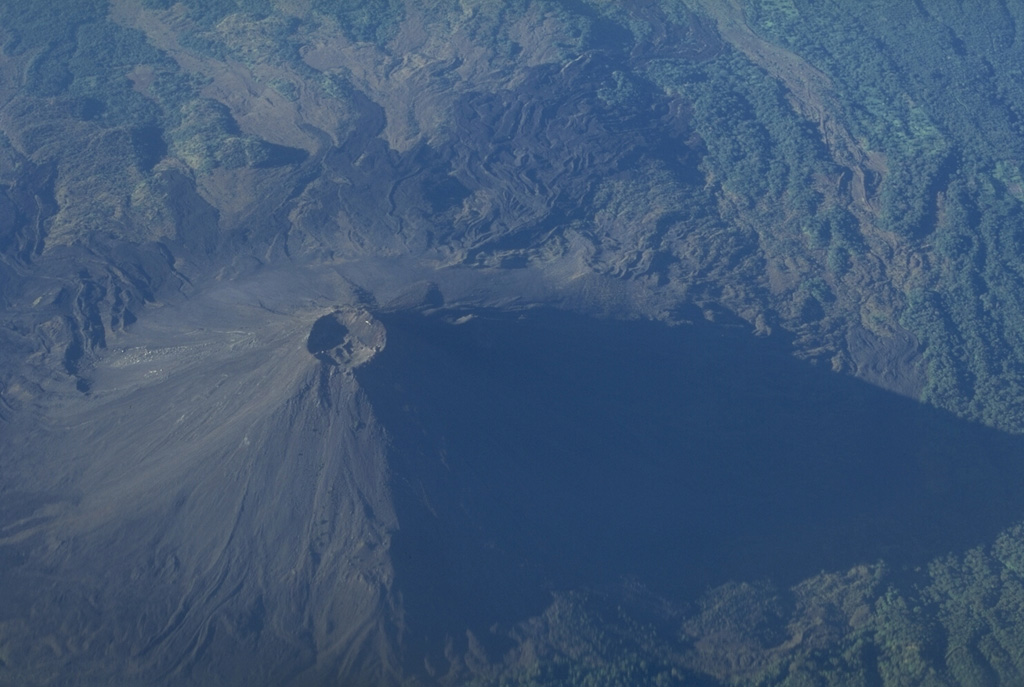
column 216, row 512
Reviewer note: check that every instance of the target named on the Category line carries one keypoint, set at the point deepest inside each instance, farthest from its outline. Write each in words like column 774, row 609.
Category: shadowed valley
column 544, row 451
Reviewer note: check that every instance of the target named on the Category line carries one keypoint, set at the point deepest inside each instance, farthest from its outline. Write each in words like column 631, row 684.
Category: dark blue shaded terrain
column 548, row 451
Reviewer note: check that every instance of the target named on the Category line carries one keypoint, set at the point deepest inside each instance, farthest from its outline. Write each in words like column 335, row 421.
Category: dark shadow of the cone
column 553, row 451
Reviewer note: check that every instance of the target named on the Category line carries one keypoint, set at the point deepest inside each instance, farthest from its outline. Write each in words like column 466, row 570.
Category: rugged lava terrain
column 439, row 342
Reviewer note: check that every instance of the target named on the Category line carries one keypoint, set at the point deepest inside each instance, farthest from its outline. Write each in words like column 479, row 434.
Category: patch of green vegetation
column 252, row 39
column 372, row 21
column 580, row 641
column 104, row 56
column 763, row 161
column 270, row 40
column 208, row 13
column 28, row 26
column 208, row 137
column 77, row 53
column 957, row 623
column 938, row 95
column 47, row 33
